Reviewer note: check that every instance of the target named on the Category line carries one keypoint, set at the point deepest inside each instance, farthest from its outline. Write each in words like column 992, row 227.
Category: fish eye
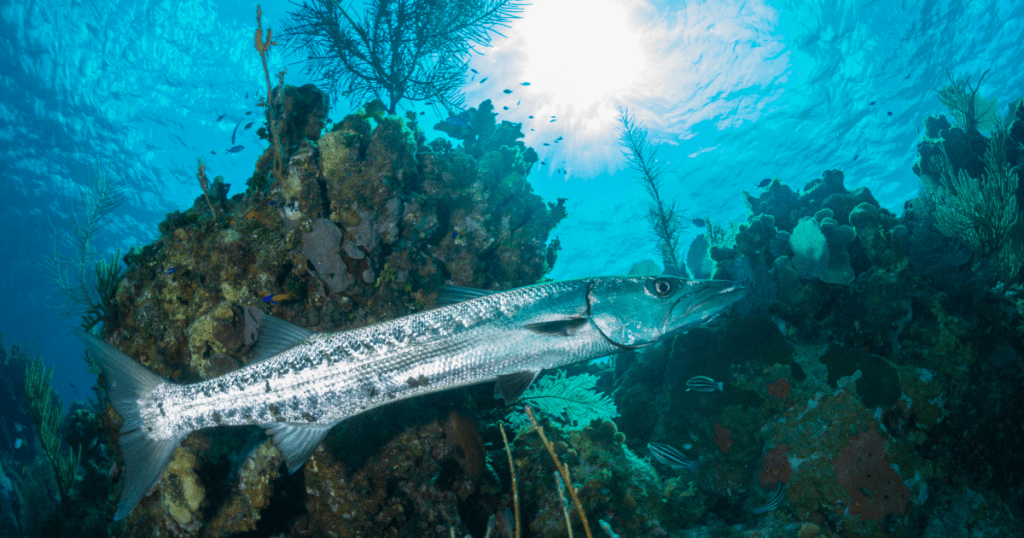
column 662, row 287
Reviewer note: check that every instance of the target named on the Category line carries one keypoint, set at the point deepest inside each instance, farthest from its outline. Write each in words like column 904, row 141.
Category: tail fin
column 127, row 382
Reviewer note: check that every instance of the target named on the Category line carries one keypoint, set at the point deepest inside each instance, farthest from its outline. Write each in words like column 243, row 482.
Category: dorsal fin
column 277, row 335
column 511, row 386
column 296, row 442
column 456, row 294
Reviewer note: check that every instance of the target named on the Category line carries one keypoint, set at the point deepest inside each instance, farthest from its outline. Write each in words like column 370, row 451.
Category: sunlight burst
column 582, row 50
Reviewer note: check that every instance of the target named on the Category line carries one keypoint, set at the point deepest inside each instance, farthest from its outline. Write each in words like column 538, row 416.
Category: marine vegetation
column 86, row 283
column 397, row 49
column 664, row 217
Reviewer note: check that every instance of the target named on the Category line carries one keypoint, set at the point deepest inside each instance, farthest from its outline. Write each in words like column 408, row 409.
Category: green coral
column 571, row 401
column 46, row 407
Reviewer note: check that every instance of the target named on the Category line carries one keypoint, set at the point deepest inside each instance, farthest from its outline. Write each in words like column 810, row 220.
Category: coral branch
column 262, row 47
column 205, row 185
column 512, row 469
column 563, row 469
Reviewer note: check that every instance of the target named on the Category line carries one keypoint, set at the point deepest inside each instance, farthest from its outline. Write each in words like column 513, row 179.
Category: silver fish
column 704, row 384
column 301, row 383
column 673, row 458
column 774, row 501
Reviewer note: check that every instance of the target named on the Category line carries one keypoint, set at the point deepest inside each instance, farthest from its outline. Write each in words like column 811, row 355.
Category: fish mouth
column 714, row 304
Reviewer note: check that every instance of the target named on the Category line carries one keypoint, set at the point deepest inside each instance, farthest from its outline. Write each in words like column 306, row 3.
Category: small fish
column 483, row 80
column 455, row 234
column 17, row 443
column 704, row 384
column 248, row 113
column 525, row 84
column 552, row 121
column 272, row 202
column 18, row 427
column 213, row 152
column 504, row 108
column 423, row 113
column 764, row 182
column 546, row 144
column 855, row 156
column 171, row 270
column 531, row 117
column 888, row 113
column 92, row 444
column 519, row 101
column 543, row 163
column 673, row 458
column 506, row 91
column 246, row 95
column 235, row 149
column 221, row 117
column 559, row 139
column 235, row 131
column 269, row 299
column 552, row 116
column 456, row 121
column 73, row 387
column 699, row 223
column 248, row 125
column 774, row 500
column 871, row 103
column 475, row 72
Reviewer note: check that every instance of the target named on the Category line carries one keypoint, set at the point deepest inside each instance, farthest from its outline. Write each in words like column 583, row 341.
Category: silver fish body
column 303, row 383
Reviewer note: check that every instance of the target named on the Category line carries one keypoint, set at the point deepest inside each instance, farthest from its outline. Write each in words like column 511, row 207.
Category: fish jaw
column 637, row 311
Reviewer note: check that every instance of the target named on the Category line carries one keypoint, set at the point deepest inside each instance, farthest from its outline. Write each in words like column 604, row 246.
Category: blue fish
column 269, row 299
column 235, row 149
column 672, row 457
column 248, row 125
column 483, row 80
column 272, row 202
column 704, row 384
column 171, row 270
column 525, row 84
column 455, row 234
column 699, row 223
column 764, row 182
column 475, row 72
column 506, row 91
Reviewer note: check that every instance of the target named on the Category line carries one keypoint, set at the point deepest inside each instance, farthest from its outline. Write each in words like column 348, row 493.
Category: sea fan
column 570, row 401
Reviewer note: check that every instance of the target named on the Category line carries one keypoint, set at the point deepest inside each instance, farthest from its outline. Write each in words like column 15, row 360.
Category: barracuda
column 303, row 383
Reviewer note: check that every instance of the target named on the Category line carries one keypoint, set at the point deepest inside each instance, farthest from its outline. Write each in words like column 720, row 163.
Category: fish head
column 637, row 311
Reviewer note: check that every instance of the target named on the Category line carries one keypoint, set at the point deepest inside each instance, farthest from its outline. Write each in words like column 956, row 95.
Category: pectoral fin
column 560, row 327
column 296, row 442
column 511, row 386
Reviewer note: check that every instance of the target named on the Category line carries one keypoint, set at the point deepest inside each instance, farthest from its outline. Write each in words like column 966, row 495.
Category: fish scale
column 303, row 383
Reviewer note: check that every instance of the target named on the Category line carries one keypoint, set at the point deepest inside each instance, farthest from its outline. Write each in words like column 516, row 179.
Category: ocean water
column 894, row 325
